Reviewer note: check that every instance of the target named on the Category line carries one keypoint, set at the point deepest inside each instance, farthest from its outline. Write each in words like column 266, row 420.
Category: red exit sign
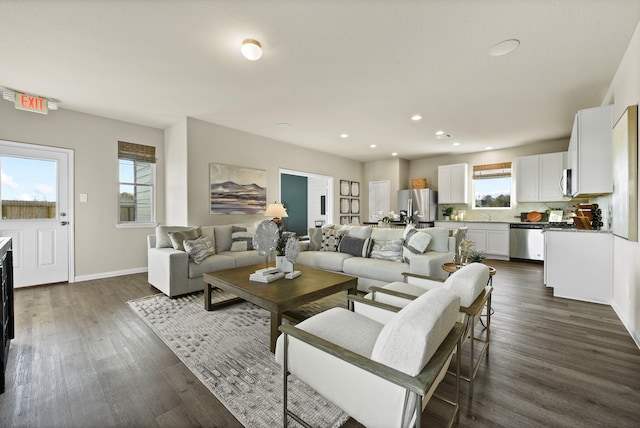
column 31, row 103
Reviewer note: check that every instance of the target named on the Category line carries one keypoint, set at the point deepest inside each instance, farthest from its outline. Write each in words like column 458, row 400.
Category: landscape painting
column 237, row 190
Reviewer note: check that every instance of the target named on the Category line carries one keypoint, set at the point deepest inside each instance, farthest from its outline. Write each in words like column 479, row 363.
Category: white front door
column 35, row 211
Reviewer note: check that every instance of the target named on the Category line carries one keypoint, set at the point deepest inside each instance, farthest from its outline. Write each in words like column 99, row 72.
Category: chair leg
column 285, row 375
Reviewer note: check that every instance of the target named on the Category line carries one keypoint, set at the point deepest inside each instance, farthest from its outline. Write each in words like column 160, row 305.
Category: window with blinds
column 492, row 185
column 136, row 202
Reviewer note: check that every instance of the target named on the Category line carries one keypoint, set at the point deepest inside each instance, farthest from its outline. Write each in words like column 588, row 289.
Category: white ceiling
column 360, row 66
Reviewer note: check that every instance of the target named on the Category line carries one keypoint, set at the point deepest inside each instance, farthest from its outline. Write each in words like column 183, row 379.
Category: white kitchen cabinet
column 579, row 265
column 453, row 183
column 538, row 177
column 491, row 238
column 590, row 152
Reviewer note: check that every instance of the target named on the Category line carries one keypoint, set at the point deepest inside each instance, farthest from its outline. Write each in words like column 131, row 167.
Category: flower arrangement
column 392, row 216
column 282, row 242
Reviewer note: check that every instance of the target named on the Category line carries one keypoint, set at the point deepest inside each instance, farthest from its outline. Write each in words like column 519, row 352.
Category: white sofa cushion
column 326, row 260
column 383, row 270
column 439, row 238
column 362, row 232
column 386, row 234
column 409, row 340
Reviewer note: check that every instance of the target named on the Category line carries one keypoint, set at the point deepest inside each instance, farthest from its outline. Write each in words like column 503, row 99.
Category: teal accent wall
column 293, row 190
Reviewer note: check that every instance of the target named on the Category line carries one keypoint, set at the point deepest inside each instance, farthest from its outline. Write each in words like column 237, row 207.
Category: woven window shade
column 136, row 152
column 492, row 170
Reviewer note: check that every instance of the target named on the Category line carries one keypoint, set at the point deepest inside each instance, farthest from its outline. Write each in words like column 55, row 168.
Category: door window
column 28, row 188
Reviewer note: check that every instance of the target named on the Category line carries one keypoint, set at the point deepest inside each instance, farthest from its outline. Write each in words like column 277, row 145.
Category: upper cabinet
column 538, row 177
column 590, row 152
column 453, row 183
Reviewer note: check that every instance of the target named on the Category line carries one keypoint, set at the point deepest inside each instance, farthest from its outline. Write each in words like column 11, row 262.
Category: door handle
column 64, row 223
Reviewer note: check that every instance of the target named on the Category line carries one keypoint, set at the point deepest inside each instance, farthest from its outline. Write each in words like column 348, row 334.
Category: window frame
column 478, row 177
column 151, row 185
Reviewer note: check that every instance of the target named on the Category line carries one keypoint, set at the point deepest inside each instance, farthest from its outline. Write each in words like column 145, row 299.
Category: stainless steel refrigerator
column 422, row 200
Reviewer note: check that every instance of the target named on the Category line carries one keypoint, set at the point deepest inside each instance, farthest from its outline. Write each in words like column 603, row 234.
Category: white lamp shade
column 275, row 210
column 251, row 49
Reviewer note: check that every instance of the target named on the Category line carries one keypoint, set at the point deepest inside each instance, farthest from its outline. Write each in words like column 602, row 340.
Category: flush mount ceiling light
column 441, row 135
column 504, row 47
column 416, row 117
column 456, row 144
column 344, row 135
column 394, row 154
column 251, row 49
column 373, row 146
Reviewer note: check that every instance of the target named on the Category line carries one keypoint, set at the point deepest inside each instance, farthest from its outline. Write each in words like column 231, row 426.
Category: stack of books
column 266, row 275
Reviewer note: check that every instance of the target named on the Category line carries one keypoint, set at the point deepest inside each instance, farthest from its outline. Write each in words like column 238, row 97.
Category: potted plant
column 447, row 212
column 476, row 256
column 282, row 264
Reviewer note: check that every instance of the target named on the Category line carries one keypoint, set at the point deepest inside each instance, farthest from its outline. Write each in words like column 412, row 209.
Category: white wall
column 176, row 176
column 101, row 249
column 208, row 143
column 623, row 92
column 316, row 187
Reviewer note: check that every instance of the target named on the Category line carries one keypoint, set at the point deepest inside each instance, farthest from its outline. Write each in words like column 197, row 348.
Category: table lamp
column 277, row 211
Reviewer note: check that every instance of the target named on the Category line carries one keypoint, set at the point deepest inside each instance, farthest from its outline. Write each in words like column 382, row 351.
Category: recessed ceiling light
column 488, row 148
column 439, row 133
column 416, row 117
column 456, row 144
column 283, row 125
column 344, row 135
column 504, row 47
column 251, row 49
column 373, row 146
column 394, row 154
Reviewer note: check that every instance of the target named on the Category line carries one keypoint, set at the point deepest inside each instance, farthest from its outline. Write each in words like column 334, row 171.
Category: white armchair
column 381, row 375
column 470, row 283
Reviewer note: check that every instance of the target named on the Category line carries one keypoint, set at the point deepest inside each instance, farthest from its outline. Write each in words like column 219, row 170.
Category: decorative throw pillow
column 199, row 249
column 415, row 242
column 331, row 239
column 355, row 246
column 387, row 250
column 241, row 239
column 439, row 238
column 177, row 238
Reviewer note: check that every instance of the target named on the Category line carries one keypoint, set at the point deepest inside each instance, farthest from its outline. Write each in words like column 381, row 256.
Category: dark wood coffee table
column 278, row 297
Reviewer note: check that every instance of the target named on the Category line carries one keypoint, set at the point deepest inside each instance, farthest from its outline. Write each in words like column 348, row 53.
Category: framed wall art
column 345, row 219
column 237, row 190
column 355, row 206
column 355, row 189
column 345, row 206
column 345, row 188
column 355, row 219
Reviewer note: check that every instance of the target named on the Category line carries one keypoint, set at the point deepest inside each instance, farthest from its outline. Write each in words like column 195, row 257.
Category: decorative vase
column 283, row 265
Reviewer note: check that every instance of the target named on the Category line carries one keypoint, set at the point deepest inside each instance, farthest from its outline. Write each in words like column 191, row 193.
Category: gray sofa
column 171, row 271
column 374, row 271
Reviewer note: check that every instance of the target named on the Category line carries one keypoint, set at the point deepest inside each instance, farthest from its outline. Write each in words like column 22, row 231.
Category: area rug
column 228, row 350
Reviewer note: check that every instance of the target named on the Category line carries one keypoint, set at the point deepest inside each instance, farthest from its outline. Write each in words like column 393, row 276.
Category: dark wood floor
column 82, row 358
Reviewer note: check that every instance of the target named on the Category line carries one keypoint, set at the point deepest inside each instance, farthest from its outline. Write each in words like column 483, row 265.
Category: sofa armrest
column 151, row 241
column 168, row 270
column 430, row 264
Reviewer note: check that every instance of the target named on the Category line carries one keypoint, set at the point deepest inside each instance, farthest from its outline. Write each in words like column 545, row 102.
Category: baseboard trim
column 103, row 275
column 634, row 334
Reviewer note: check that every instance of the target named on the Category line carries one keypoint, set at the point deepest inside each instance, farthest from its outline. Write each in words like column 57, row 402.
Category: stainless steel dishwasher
column 526, row 241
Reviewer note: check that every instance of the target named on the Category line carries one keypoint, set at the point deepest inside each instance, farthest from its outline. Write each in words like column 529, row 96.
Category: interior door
column 379, row 199
column 34, row 200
